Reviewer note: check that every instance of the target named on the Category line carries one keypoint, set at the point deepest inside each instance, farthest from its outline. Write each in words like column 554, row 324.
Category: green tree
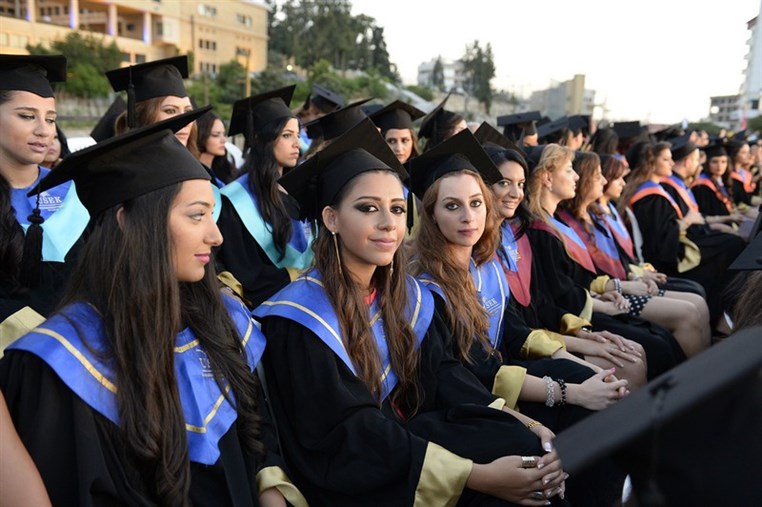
column 437, row 75
column 230, row 80
column 90, row 56
column 479, row 67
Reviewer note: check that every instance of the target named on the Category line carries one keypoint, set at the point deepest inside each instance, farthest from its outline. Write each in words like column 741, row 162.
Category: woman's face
column 510, row 190
column 215, row 143
column 192, row 230
column 459, row 210
column 53, row 153
column 563, row 182
column 461, row 125
column 173, row 106
column 718, row 166
column 596, row 190
column 27, row 124
column 614, row 190
column 286, row 145
column 401, row 143
column 663, row 165
column 369, row 222
column 743, row 157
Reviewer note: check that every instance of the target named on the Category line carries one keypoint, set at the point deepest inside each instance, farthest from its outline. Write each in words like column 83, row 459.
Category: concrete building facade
column 145, row 30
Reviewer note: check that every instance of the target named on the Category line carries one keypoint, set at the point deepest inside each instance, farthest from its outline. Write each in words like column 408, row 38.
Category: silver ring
column 537, row 495
column 528, row 462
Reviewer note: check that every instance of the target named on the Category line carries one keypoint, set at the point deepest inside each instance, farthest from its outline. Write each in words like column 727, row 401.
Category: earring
column 391, row 269
column 338, row 257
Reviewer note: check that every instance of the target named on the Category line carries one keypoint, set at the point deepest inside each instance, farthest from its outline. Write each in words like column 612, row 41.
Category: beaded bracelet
column 562, row 385
column 550, row 395
column 618, row 285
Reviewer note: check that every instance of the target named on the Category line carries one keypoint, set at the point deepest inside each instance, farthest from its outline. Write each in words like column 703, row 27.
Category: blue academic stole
column 491, row 289
column 65, row 216
column 304, row 301
column 73, row 343
column 298, row 253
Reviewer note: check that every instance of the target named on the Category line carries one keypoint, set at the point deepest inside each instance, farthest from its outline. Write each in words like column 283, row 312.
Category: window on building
column 140, row 58
column 207, row 10
column 126, row 57
column 244, row 20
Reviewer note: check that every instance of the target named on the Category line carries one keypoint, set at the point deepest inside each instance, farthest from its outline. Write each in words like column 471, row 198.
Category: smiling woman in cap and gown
column 371, row 407
column 39, row 233
column 141, row 389
column 266, row 245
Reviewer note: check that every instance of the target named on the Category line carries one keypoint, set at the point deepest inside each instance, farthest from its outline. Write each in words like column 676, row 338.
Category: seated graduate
column 440, row 124
column 330, row 126
column 685, row 315
column 395, row 122
column 455, row 257
column 266, row 246
column 567, row 280
column 39, row 235
column 371, row 407
column 141, row 389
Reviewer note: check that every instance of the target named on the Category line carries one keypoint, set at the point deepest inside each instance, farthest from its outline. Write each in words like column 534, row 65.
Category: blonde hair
column 553, row 158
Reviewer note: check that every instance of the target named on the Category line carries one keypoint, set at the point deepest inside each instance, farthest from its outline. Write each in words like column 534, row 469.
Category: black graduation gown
column 344, row 450
column 740, row 195
column 563, row 282
column 708, row 202
column 244, row 258
column 80, row 454
column 661, row 246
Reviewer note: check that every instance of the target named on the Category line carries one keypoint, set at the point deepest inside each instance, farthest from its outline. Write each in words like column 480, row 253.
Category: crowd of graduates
column 361, row 311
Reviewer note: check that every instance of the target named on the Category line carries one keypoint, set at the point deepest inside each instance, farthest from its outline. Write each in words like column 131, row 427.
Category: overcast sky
column 654, row 60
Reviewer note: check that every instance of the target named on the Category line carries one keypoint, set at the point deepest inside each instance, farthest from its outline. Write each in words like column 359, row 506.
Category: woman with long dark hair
column 141, row 389
column 265, row 244
column 211, row 148
column 355, row 343
column 38, row 234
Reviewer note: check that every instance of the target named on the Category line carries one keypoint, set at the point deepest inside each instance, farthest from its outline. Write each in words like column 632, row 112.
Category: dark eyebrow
column 200, row 203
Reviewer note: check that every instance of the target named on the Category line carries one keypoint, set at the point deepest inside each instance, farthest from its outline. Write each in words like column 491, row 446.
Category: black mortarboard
column 635, row 153
column 337, row 122
column 252, row 113
column 689, row 437
column 461, row 151
column 715, row 149
column 741, row 135
column 105, row 126
column 487, row 134
column 553, row 127
column 429, row 122
column 514, row 124
column 316, row 182
column 129, row 165
column 533, row 156
column 32, row 73
column 397, row 115
column 144, row 81
column 668, row 133
column 580, row 123
column 627, row 129
column 324, row 99
column 681, row 147
column 750, row 259
column 369, row 109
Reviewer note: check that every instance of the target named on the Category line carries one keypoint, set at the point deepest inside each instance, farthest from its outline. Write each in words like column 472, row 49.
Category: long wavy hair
column 147, row 113
column 221, row 166
column 553, row 158
column 390, row 283
column 644, row 158
column 144, row 307
column 500, row 156
column 586, row 165
column 413, row 139
column 11, row 232
column 468, row 318
column 262, row 168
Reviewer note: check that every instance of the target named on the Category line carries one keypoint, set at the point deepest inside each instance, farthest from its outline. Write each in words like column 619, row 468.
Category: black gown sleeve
column 707, row 201
column 661, row 233
column 242, row 256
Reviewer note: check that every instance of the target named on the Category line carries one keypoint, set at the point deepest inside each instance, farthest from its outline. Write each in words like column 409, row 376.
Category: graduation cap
column 144, row 81
column 580, row 123
column 397, row 115
column 533, row 156
column 668, row 133
column 324, row 99
column 369, row 109
column 681, row 147
column 461, row 151
column 429, row 123
column 513, row 124
column 715, row 149
column 316, row 182
column 627, row 129
column 32, row 73
column 688, row 437
column 487, row 134
column 553, row 127
column 105, row 126
column 750, row 259
column 634, row 155
column 337, row 122
column 129, row 165
column 252, row 113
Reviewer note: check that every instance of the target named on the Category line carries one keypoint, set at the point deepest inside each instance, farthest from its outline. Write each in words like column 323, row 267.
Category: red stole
column 608, row 262
column 709, row 183
column 520, row 280
column 744, row 177
column 575, row 249
column 618, row 229
column 651, row 188
column 683, row 193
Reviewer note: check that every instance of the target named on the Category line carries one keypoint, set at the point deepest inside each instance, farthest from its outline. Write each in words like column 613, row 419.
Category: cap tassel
column 31, row 259
column 131, row 112
column 411, row 211
column 249, row 141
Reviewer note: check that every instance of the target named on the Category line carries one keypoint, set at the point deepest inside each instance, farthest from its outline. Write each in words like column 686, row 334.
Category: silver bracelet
column 618, row 285
column 550, row 395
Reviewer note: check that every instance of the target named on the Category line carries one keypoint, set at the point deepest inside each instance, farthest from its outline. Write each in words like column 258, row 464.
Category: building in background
column 452, row 76
column 145, row 30
column 564, row 99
